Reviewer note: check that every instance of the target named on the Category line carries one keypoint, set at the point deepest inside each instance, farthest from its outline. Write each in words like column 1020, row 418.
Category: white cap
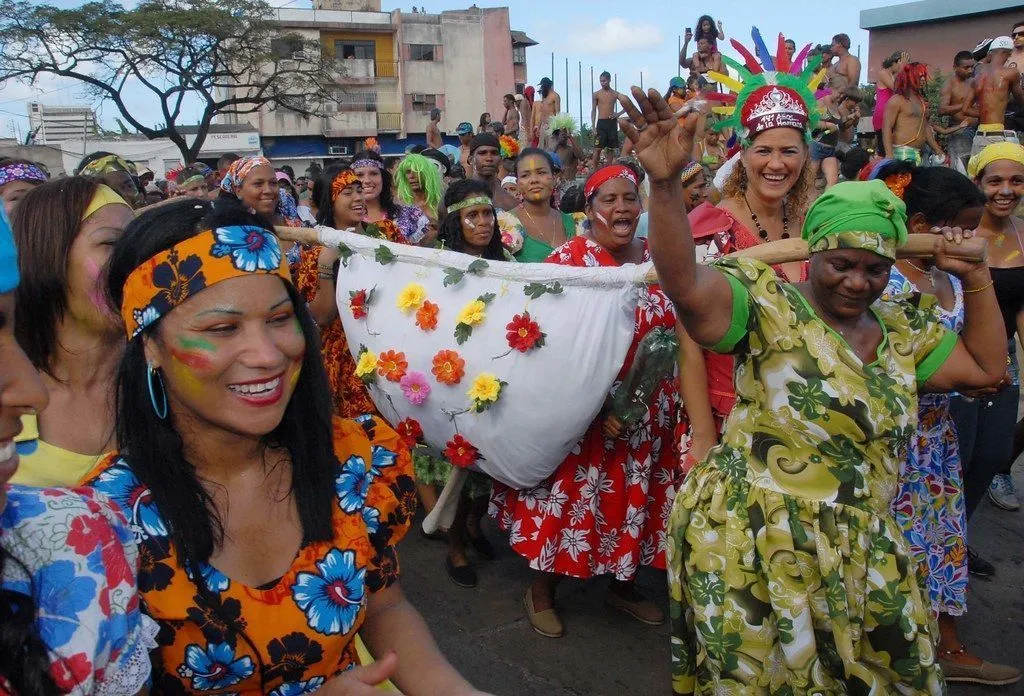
column 1001, row 42
column 509, row 180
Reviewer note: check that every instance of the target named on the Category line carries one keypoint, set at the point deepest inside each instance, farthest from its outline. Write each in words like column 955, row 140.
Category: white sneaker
column 1003, row 493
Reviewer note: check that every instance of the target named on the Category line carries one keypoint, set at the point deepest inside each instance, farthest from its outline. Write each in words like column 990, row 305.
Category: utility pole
column 581, row 93
column 552, row 66
column 565, row 91
column 679, row 49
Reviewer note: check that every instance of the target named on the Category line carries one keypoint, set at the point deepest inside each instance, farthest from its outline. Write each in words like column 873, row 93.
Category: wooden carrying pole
column 782, row 251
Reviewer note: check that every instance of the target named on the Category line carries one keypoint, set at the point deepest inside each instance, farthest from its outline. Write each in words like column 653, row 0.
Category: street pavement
column 485, row 634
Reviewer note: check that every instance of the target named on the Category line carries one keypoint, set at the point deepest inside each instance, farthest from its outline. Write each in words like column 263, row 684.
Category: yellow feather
column 817, row 79
column 724, row 110
column 734, row 85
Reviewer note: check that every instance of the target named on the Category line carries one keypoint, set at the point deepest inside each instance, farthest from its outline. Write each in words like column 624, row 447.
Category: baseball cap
column 981, row 50
column 464, row 128
column 1001, row 42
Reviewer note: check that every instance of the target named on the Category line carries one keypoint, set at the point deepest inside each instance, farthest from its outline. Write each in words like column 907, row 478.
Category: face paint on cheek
column 96, row 295
column 602, row 218
column 184, row 375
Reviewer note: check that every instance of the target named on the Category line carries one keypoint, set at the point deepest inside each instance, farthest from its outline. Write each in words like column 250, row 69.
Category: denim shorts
column 821, row 152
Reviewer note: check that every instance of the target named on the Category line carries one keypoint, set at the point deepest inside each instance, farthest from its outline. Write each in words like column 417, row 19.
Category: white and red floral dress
column 606, row 507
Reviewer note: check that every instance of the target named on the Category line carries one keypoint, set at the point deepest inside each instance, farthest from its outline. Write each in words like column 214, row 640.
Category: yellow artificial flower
column 411, row 297
column 367, row 363
column 473, row 313
column 486, row 387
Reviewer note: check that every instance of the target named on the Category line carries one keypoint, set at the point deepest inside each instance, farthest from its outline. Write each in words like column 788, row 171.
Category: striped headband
column 174, row 275
column 367, row 162
column 469, row 202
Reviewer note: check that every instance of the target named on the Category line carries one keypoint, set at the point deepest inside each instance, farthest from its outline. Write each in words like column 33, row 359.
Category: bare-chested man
column 465, row 132
column 485, row 155
column 434, row 131
column 953, row 103
column 704, row 60
column 511, row 120
column 990, row 93
column 550, row 104
column 602, row 120
column 1017, row 56
column 845, row 72
column 569, row 153
column 905, row 127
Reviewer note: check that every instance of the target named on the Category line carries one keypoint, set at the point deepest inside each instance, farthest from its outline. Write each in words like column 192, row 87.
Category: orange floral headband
column 176, row 274
column 898, row 183
column 345, row 178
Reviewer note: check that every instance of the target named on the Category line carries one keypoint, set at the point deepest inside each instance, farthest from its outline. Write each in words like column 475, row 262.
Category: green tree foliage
column 229, row 55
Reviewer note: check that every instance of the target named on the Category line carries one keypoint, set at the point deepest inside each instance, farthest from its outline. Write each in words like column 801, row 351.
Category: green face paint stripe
column 196, row 344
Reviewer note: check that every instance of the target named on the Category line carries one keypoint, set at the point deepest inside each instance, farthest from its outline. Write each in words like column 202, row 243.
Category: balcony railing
column 388, row 69
column 389, row 122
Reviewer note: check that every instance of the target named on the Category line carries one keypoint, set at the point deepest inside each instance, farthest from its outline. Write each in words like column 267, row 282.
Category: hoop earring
column 160, row 411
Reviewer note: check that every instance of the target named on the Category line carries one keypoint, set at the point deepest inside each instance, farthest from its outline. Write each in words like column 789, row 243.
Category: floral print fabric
column 81, row 564
column 929, row 505
column 605, row 509
column 303, row 625
column 787, row 572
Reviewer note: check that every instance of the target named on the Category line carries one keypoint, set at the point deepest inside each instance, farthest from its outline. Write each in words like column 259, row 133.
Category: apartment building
column 51, row 125
column 398, row 66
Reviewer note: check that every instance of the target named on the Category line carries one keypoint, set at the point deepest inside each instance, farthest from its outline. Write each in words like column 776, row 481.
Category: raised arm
column 702, row 295
column 684, row 60
column 979, row 358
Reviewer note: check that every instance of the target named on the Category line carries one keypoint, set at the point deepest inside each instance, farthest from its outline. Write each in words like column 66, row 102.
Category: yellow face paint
column 184, row 378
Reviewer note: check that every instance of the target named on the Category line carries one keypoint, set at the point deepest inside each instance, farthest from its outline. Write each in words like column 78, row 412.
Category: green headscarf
column 857, row 215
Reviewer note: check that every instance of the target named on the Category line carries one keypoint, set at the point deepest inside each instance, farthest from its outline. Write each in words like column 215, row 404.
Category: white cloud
column 614, row 35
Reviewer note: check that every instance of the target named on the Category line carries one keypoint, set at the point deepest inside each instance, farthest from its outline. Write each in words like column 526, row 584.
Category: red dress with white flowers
column 605, row 509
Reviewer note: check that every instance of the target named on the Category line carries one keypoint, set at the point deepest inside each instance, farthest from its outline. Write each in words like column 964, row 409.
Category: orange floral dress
column 302, row 627
column 347, row 391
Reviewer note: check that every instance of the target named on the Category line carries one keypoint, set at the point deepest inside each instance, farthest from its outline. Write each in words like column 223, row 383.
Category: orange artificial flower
column 449, row 367
column 426, row 316
column 391, row 365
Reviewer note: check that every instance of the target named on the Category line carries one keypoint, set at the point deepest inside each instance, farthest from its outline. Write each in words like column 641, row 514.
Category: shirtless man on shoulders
column 905, row 127
column 602, row 121
column 845, row 73
column 990, row 93
column 550, row 104
column 704, row 60
column 953, row 103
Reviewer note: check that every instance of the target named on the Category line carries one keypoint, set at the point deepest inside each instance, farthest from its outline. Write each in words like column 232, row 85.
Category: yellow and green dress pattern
column 787, row 572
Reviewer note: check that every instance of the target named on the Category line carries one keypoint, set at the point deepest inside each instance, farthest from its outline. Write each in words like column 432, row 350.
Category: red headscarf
column 604, row 174
column 528, row 93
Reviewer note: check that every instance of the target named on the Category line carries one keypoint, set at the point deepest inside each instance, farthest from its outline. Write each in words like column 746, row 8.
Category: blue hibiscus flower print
column 215, row 580
column 298, row 688
column 333, row 598
column 61, row 597
column 250, row 248
column 214, row 667
column 371, row 516
column 136, row 502
column 177, row 280
column 22, row 504
column 352, row 484
column 382, row 459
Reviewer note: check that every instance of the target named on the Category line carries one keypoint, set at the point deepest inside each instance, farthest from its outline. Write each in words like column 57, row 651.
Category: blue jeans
column 985, row 429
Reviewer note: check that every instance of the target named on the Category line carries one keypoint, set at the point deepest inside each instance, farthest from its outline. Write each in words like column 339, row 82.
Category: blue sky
column 598, row 33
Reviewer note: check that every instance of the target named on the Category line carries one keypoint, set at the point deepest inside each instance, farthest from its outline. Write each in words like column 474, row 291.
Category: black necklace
column 761, row 231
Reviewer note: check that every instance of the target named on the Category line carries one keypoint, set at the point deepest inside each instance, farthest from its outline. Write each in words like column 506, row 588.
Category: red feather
column 720, row 97
column 752, row 65
column 782, row 63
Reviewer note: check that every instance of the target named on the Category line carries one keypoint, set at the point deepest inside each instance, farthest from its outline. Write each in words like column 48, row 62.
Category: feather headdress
column 769, row 94
column 562, row 122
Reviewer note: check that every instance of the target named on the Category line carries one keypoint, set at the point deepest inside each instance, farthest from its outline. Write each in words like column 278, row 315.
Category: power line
column 34, row 96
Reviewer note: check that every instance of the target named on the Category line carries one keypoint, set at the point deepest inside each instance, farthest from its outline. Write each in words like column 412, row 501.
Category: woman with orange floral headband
column 266, row 528
column 342, row 206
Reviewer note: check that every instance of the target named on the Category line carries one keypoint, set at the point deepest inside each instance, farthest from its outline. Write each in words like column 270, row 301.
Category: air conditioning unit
column 299, row 55
column 420, row 98
column 337, row 149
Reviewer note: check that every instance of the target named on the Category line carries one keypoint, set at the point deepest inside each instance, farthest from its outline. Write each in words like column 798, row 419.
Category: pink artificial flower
column 415, row 387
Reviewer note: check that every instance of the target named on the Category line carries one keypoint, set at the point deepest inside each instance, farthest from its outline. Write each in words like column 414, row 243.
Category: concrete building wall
column 51, row 157
column 465, row 95
column 55, row 124
column 936, row 42
column 498, row 74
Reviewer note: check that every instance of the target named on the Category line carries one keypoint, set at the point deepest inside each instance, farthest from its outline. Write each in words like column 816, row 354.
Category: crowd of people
column 198, row 493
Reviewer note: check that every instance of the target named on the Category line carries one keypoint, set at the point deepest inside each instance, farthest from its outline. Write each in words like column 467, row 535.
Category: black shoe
column 978, row 566
column 484, row 548
column 464, row 576
column 436, row 535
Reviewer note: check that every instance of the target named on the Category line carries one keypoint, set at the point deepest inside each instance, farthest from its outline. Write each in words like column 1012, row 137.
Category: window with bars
column 421, row 52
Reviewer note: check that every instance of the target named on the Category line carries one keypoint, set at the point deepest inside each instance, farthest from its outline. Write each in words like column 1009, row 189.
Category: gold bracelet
column 983, row 287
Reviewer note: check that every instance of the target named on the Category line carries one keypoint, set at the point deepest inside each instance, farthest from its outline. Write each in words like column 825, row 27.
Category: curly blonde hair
column 796, row 200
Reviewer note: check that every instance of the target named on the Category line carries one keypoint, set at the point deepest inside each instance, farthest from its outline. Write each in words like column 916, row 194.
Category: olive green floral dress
column 787, row 572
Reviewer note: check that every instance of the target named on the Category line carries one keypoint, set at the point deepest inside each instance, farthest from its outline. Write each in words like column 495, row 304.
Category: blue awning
column 301, row 146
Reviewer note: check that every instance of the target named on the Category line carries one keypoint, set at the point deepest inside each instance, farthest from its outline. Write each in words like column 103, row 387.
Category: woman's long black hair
column 154, row 448
column 387, row 194
column 699, row 33
column 450, row 231
column 24, row 657
column 938, row 193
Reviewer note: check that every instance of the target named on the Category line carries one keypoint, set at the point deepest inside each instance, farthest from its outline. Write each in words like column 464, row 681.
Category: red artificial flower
column 426, row 316
column 524, row 333
column 392, row 365
column 460, row 452
column 410, row 431
column 357, row 303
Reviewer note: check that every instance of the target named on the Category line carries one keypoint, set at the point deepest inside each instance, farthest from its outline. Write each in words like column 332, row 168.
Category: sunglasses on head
column 1017, row 33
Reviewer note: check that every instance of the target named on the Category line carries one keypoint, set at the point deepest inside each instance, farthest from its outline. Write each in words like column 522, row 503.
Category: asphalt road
column 485, row 634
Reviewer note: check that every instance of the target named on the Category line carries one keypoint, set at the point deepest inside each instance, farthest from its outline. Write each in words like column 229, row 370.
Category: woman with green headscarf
column 787, row 571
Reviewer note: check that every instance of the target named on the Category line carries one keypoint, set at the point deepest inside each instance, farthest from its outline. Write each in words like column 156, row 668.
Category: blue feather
column 763, row 54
